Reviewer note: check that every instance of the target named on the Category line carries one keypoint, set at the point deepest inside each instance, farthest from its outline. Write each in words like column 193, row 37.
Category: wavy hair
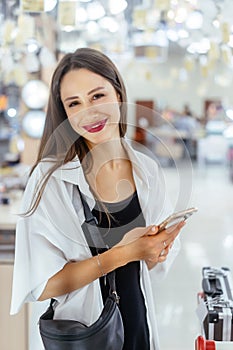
column 59, row 142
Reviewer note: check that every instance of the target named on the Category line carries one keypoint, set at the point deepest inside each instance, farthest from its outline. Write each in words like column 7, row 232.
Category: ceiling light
column 201, row 47
column 231, row 41
column 33, row 46
column 172, row 35
column 229, row 113
column 93, row 30
column 181, row 15
column 49, row 5
column 183, row 34
column 109, row 23
column 95, row 11
column 11, row 112
column 117, row 7
column 35, row 94
column 160, row 38
column 68, row 29
column 170, row 14
column 194, row 20
column 216, row 23
column 33, row 123
column 81, row 15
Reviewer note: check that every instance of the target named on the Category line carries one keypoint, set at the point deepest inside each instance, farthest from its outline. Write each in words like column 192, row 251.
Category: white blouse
column 52, row 236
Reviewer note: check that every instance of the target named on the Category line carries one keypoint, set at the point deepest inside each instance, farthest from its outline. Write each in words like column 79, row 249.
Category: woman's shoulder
column 51, row 164
column 147, row 159
column 48, row 171
column 43, row 166
column 141, row 152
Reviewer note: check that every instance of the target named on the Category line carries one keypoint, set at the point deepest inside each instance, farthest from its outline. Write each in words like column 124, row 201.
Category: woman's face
column 92, row 105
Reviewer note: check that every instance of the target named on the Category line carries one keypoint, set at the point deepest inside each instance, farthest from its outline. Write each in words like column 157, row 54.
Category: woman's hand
column 144, row 243
column 136, row 233
column 141, row 243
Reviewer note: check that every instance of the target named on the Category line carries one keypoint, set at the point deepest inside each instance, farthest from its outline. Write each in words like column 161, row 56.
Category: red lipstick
column 95, row 127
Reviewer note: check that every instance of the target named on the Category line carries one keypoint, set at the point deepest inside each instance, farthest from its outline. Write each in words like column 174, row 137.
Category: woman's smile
column 96, row 126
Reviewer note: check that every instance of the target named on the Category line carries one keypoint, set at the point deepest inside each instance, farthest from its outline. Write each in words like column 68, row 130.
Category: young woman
column 84, row 145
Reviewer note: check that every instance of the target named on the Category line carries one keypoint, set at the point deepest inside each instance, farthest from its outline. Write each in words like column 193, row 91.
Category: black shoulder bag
column 107, row 333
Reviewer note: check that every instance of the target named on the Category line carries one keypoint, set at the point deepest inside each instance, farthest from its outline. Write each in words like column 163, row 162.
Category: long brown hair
column 59, row 142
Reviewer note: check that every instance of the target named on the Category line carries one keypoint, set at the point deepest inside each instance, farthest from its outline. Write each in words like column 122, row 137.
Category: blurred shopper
column 187, row 124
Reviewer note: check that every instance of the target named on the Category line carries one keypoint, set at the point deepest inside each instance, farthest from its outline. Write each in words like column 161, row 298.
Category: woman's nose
column 85, row 103
column 87, row 109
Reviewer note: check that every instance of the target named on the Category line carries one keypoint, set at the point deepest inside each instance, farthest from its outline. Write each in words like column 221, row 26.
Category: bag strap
column 91, row 230
column 94, row 239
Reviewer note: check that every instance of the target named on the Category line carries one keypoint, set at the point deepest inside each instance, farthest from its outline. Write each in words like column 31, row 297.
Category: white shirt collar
column 72, row 172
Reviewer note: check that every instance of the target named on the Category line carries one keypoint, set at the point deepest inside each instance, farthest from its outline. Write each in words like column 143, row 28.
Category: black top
column 126, row 215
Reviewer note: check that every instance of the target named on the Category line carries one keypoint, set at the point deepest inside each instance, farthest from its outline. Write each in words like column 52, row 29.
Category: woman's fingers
column 153, row 229
column 136, row 233
column 175, row 228
column 144, row 243
column 160, row 257
column 166, row 239
column 168, row 235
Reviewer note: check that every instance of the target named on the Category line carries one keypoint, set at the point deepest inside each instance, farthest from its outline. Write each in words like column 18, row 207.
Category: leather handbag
column 107, row 332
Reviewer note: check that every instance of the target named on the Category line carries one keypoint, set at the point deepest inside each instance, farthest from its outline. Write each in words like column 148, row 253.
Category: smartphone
column 176, row 218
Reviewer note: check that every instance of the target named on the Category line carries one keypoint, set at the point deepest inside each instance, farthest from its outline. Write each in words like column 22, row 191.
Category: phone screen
column 176, row 218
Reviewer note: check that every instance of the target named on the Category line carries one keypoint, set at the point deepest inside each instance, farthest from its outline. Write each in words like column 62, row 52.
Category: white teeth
column 95, row 126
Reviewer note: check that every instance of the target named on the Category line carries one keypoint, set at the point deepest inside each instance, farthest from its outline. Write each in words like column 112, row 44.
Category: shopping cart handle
column 202, row 344
column 212, row 286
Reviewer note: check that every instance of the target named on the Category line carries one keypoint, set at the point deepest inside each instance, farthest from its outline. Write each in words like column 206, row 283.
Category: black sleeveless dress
column 125, row 216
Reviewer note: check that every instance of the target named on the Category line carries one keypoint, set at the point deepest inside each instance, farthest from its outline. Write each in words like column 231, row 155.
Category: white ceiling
column 152, row 29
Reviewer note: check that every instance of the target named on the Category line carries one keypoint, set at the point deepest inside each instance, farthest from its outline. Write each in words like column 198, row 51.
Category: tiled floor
column 207, row 240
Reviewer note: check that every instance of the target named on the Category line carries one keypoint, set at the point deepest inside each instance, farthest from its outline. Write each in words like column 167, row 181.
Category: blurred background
column 176, row 60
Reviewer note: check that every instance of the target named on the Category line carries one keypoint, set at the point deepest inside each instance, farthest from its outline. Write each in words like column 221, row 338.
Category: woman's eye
column 73, row 104
column 97, row 96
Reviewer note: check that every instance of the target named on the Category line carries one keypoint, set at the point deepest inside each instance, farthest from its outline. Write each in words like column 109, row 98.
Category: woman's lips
column 95, row 127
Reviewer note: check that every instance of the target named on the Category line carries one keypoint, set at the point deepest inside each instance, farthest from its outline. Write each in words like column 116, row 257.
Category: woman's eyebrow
column 89, row 93
column 95, row 89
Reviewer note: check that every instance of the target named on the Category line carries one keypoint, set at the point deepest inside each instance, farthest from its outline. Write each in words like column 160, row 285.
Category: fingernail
column 153, row 228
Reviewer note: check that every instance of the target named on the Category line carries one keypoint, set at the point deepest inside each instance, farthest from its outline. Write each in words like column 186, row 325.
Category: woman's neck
column 111, row 176
column 108, row 153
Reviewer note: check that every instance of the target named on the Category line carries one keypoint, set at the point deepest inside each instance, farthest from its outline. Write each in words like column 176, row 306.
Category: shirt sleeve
column 38, row 253
column 37, row 258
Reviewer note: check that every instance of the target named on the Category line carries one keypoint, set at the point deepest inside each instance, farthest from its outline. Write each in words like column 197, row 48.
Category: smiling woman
column 92, row 105
column 84, row 145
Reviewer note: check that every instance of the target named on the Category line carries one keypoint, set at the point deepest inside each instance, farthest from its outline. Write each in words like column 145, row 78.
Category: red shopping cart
column 203, row 344
column 216, row 310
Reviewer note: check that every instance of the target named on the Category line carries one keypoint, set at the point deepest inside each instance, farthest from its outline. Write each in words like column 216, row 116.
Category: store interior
column 176, row 59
